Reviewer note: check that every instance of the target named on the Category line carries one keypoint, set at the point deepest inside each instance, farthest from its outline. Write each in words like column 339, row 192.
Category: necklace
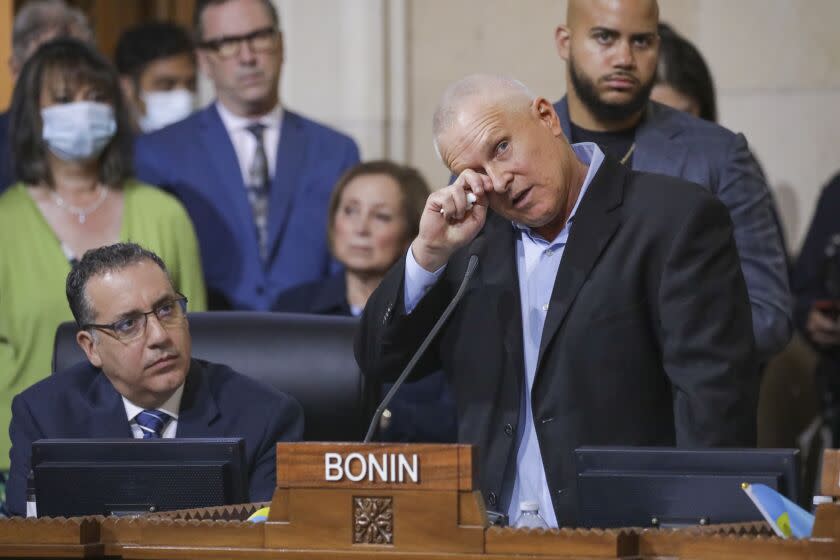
column 628, row 154
column 81, row 212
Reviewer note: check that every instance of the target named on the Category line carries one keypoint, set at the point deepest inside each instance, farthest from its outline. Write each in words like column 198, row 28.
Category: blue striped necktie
column 152, row 422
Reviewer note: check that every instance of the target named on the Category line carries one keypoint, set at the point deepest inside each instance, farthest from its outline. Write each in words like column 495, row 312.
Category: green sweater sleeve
column 157, row 220
column 188, row 276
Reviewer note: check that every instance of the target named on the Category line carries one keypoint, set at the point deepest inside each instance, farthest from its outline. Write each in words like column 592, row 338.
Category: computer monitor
column 670, row 487
column 75, row 477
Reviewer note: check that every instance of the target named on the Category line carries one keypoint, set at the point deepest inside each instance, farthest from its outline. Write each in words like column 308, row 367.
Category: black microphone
column 478, row 244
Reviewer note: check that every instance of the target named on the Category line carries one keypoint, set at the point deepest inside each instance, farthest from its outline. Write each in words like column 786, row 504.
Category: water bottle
column 529, row 516
column 31, row 507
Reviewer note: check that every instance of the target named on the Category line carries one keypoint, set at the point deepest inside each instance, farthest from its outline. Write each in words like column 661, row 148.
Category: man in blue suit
column 254, row 177
column 611, row 53
column 140, row 380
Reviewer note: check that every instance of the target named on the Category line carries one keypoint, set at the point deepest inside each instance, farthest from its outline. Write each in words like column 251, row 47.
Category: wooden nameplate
column 366, row 497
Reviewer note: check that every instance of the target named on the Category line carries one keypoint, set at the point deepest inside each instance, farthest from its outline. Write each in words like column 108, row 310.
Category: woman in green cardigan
column 71, row 146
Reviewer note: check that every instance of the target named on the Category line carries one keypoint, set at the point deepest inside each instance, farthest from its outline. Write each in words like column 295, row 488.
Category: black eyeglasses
column 261, row 40
column 169, row 313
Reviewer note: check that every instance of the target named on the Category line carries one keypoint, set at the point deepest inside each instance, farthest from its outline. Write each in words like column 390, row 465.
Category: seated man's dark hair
column 99, row 261
column 143, row 44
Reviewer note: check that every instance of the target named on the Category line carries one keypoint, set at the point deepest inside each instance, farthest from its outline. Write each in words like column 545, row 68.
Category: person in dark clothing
column 157, row 67
column 815, row 282
column 374, row 214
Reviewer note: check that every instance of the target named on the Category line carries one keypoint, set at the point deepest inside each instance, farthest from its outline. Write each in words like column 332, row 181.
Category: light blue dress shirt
column 537, row 262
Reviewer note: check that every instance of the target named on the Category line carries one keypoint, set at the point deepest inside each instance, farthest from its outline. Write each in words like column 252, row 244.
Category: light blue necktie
column 152, row 422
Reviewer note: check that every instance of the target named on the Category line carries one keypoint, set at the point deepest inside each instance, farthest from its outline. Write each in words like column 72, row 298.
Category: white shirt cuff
column 418, row 280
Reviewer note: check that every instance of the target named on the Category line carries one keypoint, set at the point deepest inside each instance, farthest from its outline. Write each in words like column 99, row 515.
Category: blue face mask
column 79, row 130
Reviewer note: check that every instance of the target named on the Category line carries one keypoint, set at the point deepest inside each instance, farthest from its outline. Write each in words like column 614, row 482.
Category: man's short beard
column 602, row 110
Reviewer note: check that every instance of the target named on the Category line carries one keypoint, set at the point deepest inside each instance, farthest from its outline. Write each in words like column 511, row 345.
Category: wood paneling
column 6, row 18
column 107, row 17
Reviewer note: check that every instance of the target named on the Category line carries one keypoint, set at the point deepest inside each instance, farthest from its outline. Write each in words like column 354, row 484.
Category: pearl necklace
column 80, row 212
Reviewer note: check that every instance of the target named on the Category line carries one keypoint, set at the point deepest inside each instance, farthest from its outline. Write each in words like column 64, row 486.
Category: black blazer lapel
column 291, row 156
column 499, row 275
column 198, row 404
column 107, row 412
column 594, row 226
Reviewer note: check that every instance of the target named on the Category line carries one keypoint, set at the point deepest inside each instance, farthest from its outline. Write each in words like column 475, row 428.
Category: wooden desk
column 223, row 533
column 434, row 512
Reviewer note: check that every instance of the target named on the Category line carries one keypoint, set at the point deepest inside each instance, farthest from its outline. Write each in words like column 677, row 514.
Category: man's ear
column 87, row 343
column 203, row 63
column 14, row 67
column 544, row 111
column 282, row 48
column 562, row 39
column 129, row 89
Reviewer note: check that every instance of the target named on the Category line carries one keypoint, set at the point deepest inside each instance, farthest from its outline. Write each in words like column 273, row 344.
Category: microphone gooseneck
column 471, row 265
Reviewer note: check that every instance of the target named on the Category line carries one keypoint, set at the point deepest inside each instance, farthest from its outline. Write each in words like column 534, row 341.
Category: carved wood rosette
column 373, row 520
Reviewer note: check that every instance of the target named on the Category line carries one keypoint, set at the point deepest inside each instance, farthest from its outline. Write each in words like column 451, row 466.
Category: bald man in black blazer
column 646, row 337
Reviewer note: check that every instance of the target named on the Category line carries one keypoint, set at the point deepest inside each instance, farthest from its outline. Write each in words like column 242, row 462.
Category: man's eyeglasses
column 261, row 40
column 170, row 313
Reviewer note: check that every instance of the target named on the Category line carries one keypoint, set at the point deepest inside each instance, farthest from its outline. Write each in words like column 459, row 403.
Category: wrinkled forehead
column 234, row 18
column 474, row 126
column 118, row 291
column 630, row 16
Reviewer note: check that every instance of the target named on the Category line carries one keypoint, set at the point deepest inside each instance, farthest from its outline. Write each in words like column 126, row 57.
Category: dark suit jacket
column 648, row 338
column 808, row 279
column 195, row 160
column 80, row 402
column 323, row 297
column 677, row 144
column 421, row 411
column 7, row 176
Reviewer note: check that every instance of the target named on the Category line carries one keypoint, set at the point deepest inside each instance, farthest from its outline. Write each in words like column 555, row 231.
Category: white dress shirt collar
column 244, row 143
column 270, row 120
column 172, row 406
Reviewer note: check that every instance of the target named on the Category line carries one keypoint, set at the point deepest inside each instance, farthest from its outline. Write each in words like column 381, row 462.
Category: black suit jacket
column 80, row 402
column 647, row 341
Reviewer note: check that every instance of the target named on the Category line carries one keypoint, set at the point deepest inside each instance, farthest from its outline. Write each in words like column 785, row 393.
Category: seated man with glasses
column 254, row 176
column 141, row 381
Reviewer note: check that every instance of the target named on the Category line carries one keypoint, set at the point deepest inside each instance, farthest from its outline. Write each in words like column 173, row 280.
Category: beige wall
column 776, row 65
column 374, row 68
column 6, row 18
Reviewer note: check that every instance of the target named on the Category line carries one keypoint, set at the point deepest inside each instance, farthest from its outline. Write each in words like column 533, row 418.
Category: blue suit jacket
column 674, row 143
column 195, row 160
column 7, row 176
column 80, row 402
